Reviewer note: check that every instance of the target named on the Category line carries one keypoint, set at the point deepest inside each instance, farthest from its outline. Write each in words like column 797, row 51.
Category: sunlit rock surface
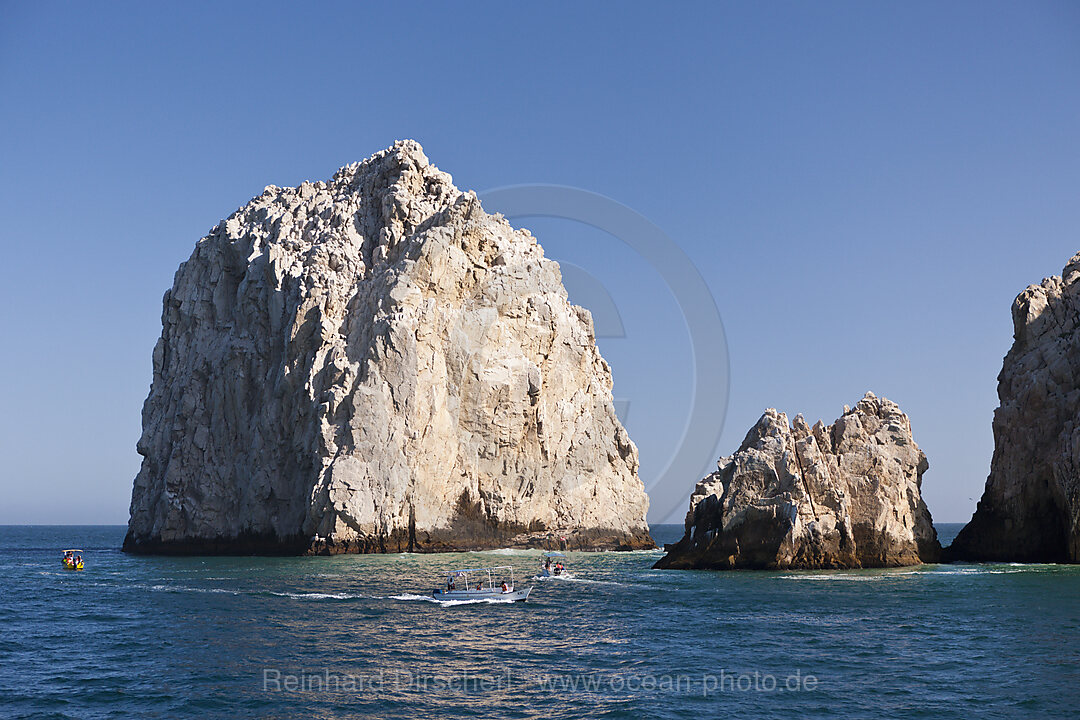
column 845, row 495
column 1030, row 509
column 375, row 364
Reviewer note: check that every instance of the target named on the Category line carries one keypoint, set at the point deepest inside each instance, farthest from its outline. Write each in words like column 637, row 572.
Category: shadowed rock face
column 1030, row 509
column 375, row 364
column 795, row 496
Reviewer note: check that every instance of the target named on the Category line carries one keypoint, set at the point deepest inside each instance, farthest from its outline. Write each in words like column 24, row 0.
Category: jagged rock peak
column 373, row 363
column 846, row 495
column 1030, row 508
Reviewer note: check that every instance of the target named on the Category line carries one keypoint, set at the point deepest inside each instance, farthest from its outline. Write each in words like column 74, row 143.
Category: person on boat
column 547, row 564
column 504, row 587
column 450, row 583
column 479, row 586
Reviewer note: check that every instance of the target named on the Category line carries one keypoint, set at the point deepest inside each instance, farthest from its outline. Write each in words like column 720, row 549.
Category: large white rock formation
column 374, row 363
column 1030, row 509
column 845, row 495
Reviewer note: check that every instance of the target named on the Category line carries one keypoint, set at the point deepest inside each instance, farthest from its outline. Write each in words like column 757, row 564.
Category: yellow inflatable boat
column 73, row 560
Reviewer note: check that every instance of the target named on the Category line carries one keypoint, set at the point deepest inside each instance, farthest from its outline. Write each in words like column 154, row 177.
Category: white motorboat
column 552, row 564
column 494, row 583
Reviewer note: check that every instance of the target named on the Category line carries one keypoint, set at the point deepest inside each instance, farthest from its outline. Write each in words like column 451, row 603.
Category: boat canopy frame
column 489, row 573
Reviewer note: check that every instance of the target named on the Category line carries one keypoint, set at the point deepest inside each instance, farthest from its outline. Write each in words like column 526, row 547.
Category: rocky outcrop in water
column 845, row 495
column 374, row 363
column 1030, row 509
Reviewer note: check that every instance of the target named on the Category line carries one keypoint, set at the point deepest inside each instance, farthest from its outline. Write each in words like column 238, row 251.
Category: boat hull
column 509, row 596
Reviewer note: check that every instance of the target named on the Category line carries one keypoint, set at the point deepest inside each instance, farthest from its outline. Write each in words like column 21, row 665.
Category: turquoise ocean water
column 356, row 636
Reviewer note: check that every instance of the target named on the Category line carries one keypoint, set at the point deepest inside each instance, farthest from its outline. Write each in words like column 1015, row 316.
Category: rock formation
column 374, row 363
column 795, row 496
column 1030, row 509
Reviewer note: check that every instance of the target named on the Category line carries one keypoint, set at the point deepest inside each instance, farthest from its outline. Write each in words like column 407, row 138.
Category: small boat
column 494, row 583
column 552, row 564
column 73, row 559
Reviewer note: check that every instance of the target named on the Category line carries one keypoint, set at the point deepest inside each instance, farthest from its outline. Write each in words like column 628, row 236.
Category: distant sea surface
column 359, row 636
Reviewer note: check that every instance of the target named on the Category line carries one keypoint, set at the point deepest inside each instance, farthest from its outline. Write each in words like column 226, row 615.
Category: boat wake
column 565, row 576
column 253, row 593
column 569, row 577
column 317, row 596
column 185, row 589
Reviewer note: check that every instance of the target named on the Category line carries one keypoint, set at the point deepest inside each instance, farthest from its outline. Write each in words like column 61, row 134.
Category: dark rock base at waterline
column 995, row 537
column 265, row 544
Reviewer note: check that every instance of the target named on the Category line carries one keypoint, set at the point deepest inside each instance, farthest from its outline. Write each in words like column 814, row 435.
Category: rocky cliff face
column 794, row 496
column 373, row 363
column 1030, row 509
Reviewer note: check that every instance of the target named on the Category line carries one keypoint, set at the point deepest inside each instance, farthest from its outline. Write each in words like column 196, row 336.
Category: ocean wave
column 872, row 574
column 847, row 577
column 792, row 618
column 1009, row 569
column 184, row 588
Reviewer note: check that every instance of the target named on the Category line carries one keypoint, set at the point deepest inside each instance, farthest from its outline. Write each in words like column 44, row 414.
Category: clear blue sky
column 864, row 186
